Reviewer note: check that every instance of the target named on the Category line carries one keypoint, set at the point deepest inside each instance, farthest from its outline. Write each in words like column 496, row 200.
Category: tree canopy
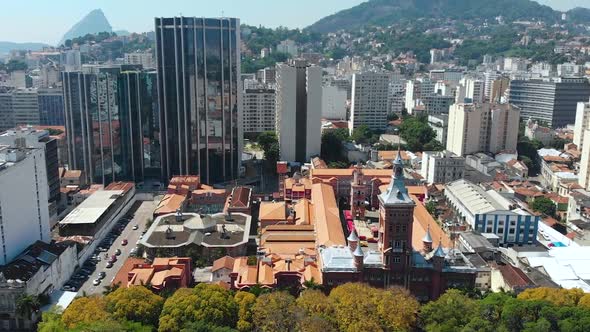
column 136, row 304
column 544, row 205
column 418, row 134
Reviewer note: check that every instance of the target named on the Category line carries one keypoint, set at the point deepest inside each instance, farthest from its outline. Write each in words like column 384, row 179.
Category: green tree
column 26, row 305
column 85, row 310
column 392, row 117
column 136, row 304
column 201, row 326
column 245, row 301
column 451, row 312
column 332, row 148
column 362, row 134
column 355, row 307
column 431, row 207
column 397, row 309
column 51, row 321
column 15, row 65
column 416, row 132
column 206, row 302
column 274, row 312
column 543, row 205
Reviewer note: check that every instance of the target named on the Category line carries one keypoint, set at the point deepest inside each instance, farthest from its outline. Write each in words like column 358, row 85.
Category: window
column 396, row 259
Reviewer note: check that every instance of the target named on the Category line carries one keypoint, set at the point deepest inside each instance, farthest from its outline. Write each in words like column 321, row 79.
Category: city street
column 143, row 212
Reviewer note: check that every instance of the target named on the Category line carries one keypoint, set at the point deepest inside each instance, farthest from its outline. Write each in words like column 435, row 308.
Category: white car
column 96, row 282
column 135, row 227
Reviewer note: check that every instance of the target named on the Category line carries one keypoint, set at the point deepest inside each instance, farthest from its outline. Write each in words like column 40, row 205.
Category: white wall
column 333, row 103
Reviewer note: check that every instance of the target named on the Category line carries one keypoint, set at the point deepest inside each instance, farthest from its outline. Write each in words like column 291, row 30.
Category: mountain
column 579, row 14
column 94, row 22
column 386, row 12
column 6, row 47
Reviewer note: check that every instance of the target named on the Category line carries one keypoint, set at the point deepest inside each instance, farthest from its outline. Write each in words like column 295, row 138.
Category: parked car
column 96, row 282
column 101, row 275
column 118, row 252
column 109, row 264
column 124, row 242
column 135, row 227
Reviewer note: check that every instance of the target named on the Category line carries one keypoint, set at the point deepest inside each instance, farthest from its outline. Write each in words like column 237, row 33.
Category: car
column 135, row 227
column 124, row 242
column 114, row 257
column 96, row 282
column 109, row 264
column 102, row 249
column 101, row 275
column 118, row 252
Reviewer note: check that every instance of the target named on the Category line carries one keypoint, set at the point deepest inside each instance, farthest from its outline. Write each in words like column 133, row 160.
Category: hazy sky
column 47, row 21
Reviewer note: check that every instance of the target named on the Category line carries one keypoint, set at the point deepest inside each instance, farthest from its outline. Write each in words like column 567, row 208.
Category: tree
column 431, row 207
column 332, row 148
column 451, row 312
column 362, row 134
column 392, row 117
column 245, row 302
column 136, row 304
column 397, row 309
column 26, row 305
column 51, row 321
column 85, row 310
column 274, row 312
column 206, row 302
column 355, row 307
column 543, row 205
column 15, row 65
column 200, row 326
column 266, row 139
column 416, row 132
column 556, row 296
column 314, row 302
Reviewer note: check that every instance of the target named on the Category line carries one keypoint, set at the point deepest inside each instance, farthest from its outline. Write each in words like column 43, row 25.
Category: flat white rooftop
column 92, row 208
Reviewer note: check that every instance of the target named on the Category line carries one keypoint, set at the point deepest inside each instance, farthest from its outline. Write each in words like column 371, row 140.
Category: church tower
column 396, row 216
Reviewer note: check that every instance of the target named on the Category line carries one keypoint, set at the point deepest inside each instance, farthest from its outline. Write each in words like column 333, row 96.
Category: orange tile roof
column 241, row 197
column 303, row 212
column 125, row 186
column 122, row 275
column 391, row 155
column 169, row 204
column 226, row 262
column 328, row 225
column 160, row 277
column 423, row 220
column 272, row 211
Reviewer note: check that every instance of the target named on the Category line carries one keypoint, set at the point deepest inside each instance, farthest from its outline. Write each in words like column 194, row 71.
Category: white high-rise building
column 24, row 212
column 288, row 46
column 416, row 89
column 333, row 103
column 299, row 110
column 472, row 89
column 369, row 103
column 581, row 124
column 397, row 95
column 259, row 110
column 482, row 128
column 146, row 59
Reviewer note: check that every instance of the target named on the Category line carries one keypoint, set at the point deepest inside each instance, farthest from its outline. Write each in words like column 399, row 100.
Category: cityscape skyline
column 306, row 13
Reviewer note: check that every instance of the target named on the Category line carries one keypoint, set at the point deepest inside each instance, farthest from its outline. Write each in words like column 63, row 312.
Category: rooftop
column 36, row 256
column 475, row 198
column 92, row 208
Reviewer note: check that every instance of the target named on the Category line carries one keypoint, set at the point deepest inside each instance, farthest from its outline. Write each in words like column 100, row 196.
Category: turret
column 353, row 240
column 358, row 256
column 427, row 241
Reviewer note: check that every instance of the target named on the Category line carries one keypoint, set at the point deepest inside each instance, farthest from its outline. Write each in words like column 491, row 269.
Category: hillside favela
column 318, row 166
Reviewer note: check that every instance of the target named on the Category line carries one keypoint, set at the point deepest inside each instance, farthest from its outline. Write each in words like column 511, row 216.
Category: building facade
column 369, row 103
column 299, row 110
column 333, row 103
column 482, row 128
column 198, row 61
column 113, row 124
column 51, row 107
column 553, row 101
column 442, row 167
column 24, row 212
column 581, row 124
column 25, row 107
column 259, row 110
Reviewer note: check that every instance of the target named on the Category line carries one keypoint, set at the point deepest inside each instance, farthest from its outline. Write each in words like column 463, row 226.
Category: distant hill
column 386, row 12
column 579, row 14
column 92, row 23
column 122, row 33
column 6, row 47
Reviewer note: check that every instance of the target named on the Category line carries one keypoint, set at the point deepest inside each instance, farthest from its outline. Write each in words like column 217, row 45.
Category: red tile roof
column 514, row 277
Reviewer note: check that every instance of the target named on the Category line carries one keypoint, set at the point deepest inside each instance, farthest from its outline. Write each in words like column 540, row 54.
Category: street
column 143, row 212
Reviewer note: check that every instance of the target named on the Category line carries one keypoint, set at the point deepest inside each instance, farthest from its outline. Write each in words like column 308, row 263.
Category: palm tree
column 26, row 305
column 311, row 284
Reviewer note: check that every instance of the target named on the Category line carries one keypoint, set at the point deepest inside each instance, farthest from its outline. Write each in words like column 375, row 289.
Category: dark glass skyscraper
column 198, row 61
column 112, row 124
column 51, row 107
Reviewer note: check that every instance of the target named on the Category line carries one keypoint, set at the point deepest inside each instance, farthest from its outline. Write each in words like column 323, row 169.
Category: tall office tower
column 112, row 124
column 28, row 137
column 470, row 89
column 259, row 110
column 553, row 101
column 6, row 112
column 49, row 76
column 333, row 103
column 370, row 100
column 489, row 77
column 581, row 124
column 344, row 84
column 482, row 128
column 198, row 61
column 23, row 200
column 299, row 110
column 498, row 89
column 71, row 60
column 145, row 59
column 51, row 107
column 416, row 89
column 25, row 107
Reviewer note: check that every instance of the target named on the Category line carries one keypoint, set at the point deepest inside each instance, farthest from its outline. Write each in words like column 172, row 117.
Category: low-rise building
column 442, row 167
column 489, row 212
column 210, row 236
column 165, row 273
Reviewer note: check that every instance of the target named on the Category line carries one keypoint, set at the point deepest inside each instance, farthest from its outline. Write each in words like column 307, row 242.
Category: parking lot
column 84, row 278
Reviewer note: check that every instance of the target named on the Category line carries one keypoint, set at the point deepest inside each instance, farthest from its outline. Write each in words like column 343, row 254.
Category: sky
column 47, row 21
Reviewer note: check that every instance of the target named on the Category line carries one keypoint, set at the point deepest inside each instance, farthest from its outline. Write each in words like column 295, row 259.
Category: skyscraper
column 369, row 104
column 198, row 61
column 112, row 121
column 299, row 110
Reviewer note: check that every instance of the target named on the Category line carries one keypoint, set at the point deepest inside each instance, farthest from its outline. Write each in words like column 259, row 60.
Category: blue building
column 490, row 212
column 51, row 107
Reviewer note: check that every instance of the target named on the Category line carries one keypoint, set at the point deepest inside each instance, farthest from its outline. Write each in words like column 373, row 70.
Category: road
column 143, row 212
